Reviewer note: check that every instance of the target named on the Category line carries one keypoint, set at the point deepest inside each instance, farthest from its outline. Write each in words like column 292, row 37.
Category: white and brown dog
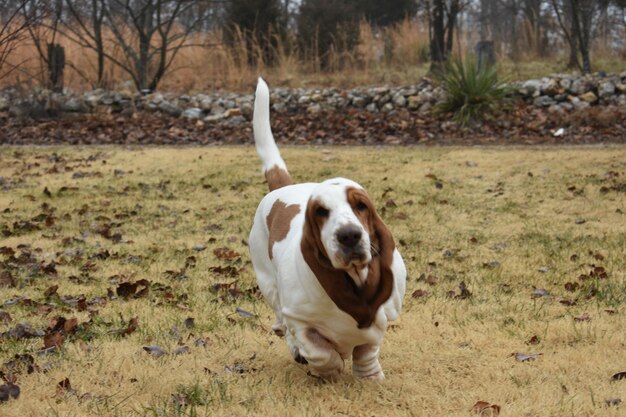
column 325, row 262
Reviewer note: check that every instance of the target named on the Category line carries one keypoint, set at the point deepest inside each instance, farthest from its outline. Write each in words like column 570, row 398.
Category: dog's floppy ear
column 379, row 284
column 335, row 282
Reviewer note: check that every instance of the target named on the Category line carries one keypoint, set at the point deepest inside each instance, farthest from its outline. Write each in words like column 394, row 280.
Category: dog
column 325, row 262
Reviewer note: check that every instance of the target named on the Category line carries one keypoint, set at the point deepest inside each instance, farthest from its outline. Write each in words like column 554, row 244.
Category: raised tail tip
column 261, row 87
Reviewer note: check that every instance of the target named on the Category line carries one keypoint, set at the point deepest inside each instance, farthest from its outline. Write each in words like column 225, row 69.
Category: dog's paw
column 377, row 376
column 332, row 376
column 295, row 353
column 279, row 329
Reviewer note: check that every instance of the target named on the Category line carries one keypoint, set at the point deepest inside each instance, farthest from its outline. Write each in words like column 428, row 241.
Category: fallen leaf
column 619, row 376
column 523, row 357
column 598, row 272
column 229, row 271
column 432, row 280
column 238, row 368
column 493, row 264
column 70, row 325
column 182, row 350
column 65, row 385
column 190, row 262
column 484, row 408
column 132, row 326
column 464, row 292
column 244, row 313
column 53, row 340
column 540, row 292
column 226, row 253
column 9, row 391
column 126, row 289
column 6, row 279
column 584, row 317
column 155, row 351
column 202, row 341
column 129, row 289
column 5, row 317
column 419, row 294
column 533, row 340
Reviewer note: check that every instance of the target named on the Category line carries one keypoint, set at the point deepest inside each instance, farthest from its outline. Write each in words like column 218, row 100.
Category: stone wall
column 557, row 93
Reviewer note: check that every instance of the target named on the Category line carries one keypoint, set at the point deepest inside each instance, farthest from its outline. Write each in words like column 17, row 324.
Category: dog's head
column 349, row 248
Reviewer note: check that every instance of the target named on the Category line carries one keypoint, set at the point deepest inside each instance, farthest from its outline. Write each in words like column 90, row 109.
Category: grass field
column 507, row 222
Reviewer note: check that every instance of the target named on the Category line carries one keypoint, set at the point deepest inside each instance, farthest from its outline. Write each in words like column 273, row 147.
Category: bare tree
column 44, row 18
column 442, row 18
column 149, row 35
column 84, row 27
column 579, row 32
column 13, row 29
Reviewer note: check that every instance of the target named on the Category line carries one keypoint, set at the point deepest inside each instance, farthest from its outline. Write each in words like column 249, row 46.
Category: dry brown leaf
column 226, row 253
column 486, row 409
column 54, row 339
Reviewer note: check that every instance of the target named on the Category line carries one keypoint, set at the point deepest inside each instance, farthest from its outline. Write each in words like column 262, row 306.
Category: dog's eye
column 321, row 212
column 361, row 206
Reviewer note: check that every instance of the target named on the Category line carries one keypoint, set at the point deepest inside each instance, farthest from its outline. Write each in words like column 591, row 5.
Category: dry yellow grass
column 442, row 356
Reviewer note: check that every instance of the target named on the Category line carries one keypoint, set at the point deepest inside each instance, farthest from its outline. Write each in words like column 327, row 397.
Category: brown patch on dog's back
column 277, row 178
column 279, row 221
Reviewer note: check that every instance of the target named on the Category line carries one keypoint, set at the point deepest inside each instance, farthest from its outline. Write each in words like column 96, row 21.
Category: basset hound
column 325, row 262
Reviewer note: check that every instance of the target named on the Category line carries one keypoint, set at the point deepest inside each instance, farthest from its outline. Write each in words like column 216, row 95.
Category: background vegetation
column 203, row 45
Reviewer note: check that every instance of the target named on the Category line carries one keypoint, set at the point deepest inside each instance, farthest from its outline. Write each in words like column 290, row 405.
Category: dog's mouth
column 356, row 265
column 358, row 273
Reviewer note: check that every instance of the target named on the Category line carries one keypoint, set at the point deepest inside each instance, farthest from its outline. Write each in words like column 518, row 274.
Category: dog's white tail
column 274, row 168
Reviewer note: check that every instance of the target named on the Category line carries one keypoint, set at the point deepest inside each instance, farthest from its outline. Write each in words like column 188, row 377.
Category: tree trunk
column 96, row 20
column 484, row 19
column 56, row 65
column 452, row 15
column 573, row 36
column 582, row 15
column 437, row 45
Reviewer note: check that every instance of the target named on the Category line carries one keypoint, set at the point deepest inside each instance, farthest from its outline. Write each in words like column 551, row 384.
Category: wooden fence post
column 485, row 54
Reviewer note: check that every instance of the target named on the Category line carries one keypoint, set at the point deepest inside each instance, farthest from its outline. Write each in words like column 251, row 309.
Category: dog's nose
column 349, row 236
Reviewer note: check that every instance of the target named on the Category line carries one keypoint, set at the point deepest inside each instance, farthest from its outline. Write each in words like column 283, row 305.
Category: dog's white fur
column 316, row 329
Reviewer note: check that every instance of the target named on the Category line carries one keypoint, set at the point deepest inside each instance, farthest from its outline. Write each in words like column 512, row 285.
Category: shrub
column 472, row 93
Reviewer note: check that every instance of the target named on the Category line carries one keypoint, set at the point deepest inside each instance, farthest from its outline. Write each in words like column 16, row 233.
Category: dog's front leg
column 365, row 362
column 320, row 353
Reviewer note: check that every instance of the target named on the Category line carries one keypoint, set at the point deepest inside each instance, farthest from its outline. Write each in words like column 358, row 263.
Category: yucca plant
column 473, row 93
